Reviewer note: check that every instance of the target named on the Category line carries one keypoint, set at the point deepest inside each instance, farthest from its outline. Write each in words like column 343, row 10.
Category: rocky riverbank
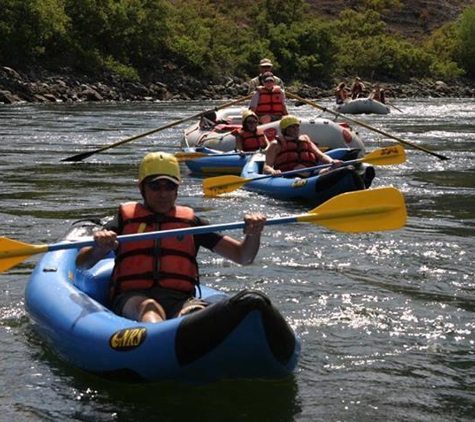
column 40, row 86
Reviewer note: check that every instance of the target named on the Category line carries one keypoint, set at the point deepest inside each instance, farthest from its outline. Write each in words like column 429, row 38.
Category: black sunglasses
column 157, row 185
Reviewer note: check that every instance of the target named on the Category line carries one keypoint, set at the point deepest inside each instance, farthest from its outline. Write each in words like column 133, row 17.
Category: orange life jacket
column 294, row 152
column 169, row 262
column 270, row 102
column 252, row 141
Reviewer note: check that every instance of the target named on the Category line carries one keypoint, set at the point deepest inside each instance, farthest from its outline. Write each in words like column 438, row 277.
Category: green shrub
column 27, row 27
column 466, row 41
column 213, row 38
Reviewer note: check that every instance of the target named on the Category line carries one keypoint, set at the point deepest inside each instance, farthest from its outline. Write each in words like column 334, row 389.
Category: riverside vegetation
column 193, row 49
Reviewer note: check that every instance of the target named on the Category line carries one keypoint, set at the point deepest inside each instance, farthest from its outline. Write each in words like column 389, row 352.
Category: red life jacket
column 252, row 141
column 270, row 102
column 379, row 96
column 169, row 262
column 294, row 152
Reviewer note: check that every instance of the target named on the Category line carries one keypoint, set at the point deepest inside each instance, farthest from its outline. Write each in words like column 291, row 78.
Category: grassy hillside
column 415, row 18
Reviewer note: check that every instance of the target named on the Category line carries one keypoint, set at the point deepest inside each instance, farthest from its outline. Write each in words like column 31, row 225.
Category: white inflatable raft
column 220, row 136
column 363, row 106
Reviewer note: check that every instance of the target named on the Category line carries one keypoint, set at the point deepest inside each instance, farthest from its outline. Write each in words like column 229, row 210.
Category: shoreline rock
column 40, row 86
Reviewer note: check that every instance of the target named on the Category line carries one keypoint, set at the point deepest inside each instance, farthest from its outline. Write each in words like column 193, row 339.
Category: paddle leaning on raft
column 316, row 189
column 362, row 124
column 243, row 336
column 83, row 155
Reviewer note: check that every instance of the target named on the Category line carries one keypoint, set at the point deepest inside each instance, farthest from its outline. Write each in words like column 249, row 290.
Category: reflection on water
column 386, row 319
column 238, row 400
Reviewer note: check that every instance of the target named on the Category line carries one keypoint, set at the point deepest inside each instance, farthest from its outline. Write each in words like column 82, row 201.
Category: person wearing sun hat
column 265, row 65
column 154, row 280
column 250, row 137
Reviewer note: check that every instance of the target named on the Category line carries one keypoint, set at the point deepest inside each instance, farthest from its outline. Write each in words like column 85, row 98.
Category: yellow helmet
column 160, row 164
column 288, row 121
column 248, row 113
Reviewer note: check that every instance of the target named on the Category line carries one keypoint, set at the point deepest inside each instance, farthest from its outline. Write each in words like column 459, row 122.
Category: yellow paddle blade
column 361, row 211
column 12, row 252
column 188, row 156
column 214, row 186
column 385, row 156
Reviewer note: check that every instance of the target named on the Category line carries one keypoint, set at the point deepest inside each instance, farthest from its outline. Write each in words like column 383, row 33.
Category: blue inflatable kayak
column 243, row 336
column 315, row 189
column 215, row 162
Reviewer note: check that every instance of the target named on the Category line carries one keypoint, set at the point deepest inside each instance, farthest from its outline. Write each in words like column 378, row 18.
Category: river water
column 387, row 319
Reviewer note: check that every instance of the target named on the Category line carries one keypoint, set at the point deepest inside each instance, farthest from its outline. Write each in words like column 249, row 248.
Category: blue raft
column 216, row 162
column 243, row 336
column 315, row 189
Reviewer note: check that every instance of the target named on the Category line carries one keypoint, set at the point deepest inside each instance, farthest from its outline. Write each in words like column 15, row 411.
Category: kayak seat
column 95, row 282
column 344, row 179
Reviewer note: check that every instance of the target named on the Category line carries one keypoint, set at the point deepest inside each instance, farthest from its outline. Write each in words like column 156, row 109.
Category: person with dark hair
column 378, row 94
column 341, row 93
column 268, row 101
column 357, row 88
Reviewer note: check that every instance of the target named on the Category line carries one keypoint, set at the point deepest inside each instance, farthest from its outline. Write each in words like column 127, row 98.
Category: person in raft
column 378, row 94
column 341, row 93
column 293, row 151
column 265, row 65
column 250, row 137
column 268, row 101
column 357, row 88
column 154, row 280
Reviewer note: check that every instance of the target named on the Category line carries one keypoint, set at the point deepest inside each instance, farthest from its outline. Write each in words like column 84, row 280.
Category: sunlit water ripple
column 386, row 319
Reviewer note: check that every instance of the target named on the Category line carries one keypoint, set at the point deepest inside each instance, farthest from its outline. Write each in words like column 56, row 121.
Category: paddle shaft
column 393, row 106
column 360, row 123
column 84, row 155
column 34, row 249
column 352, row 212
column 315, row 168
column 192, row 231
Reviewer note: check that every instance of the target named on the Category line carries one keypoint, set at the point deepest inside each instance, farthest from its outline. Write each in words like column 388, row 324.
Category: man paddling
column 154, row 280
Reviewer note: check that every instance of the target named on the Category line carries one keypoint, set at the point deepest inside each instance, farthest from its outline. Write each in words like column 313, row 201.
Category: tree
column 443, row 47
column 466, row 40
column 304, row 50
column 26, row 28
